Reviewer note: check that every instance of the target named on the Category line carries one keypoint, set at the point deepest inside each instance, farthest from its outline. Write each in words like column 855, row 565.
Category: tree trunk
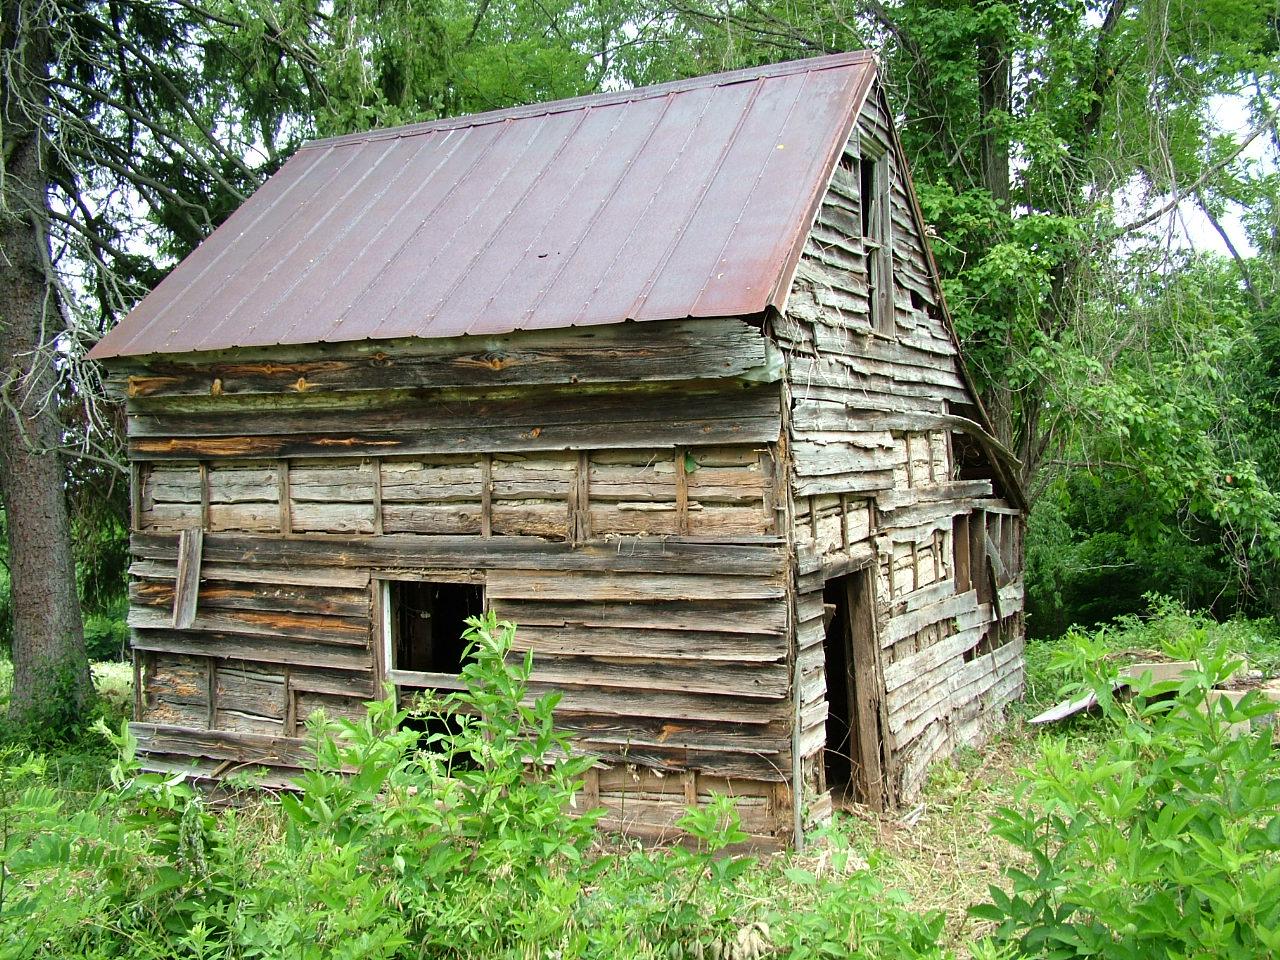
column 51, row 681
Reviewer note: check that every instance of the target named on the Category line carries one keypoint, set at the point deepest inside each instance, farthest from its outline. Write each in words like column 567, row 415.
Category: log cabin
column 663, row 376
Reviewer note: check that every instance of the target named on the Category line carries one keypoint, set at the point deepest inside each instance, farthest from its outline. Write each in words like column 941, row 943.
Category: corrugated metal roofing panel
column 686, row 199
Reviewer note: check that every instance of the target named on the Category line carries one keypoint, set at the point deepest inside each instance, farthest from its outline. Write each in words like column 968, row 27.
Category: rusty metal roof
column 689, row 199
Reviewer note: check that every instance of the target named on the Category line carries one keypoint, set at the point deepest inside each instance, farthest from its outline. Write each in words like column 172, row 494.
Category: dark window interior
column 867, row 194
column 427, row 621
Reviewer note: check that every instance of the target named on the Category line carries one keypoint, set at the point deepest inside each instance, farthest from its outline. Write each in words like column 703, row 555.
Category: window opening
column 874, row 200
column 423, row 623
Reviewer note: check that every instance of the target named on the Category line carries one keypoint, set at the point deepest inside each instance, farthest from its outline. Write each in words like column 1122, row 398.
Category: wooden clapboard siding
column 641, row 801
column 873, row 470
column 611, row 487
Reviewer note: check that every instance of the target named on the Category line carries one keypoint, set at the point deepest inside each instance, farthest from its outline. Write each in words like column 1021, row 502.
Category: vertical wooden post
column 580, row 500
column 286, row 501
column 213, row 693
column 682, row 491
column 380, row 613
column 591, row 790
column 377, row 496
column 866, row 687
column 486, row 495
column 186, row 590
column 137, row 477
column 139, row 680
column 844, row 522
column 960, row 549
column 813, row 519
column 978, row 555
column 204, row 495
column 911, row 477
column 689, row 780
column 769, row 495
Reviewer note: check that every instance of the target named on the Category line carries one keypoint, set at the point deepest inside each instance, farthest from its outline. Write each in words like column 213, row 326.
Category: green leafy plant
column 1166, row 844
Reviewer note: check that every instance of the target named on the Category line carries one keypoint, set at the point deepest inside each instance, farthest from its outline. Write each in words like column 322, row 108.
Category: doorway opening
column 852, row 757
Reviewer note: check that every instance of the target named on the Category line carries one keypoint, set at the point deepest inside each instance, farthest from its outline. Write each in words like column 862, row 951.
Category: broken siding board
column 583, row 698
column 187, row 584
column 237, row 573
column 709, row 645
column 352, row 631
column 767, row 680
column 246, row 748
column 176, row 690
column 709, row 616
column 479, row 422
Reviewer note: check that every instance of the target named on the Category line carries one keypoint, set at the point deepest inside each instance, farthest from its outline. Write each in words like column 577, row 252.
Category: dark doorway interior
column 852, row 756
column 838, row 756
column 427, row 621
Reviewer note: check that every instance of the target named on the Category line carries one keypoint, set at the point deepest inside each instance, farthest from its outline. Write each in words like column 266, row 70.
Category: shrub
column 106, row 634
column 1167, row 844
column 403, row 844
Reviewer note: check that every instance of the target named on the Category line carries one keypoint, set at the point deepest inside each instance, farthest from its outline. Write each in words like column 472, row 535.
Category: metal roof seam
column 465, row 272
column 745, row 202
column 164, row 307
column 338, row 236
column 193, row 310
column 675, row 160
column 666, row 256
column 413, row 196
column 426, row 220
column 282, row 259
column 599, row 211
column 516, row 261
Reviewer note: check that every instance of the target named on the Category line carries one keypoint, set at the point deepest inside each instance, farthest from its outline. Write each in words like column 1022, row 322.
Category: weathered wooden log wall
column 882, row 429
column 615, row 490
column 657, row 505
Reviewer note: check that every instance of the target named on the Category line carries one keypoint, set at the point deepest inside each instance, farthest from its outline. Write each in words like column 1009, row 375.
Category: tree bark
column 51, row 680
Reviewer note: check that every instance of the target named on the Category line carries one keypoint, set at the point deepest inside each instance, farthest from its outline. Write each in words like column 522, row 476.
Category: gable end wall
column 875, row 478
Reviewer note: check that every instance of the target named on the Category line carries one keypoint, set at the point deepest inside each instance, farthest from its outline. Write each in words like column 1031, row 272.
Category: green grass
column 936, row 856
